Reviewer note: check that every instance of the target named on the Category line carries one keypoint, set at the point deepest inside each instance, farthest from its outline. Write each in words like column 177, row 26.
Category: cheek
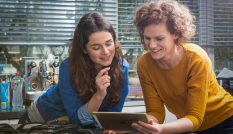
column 112, row 49
column 93, row 54
column 146, row 42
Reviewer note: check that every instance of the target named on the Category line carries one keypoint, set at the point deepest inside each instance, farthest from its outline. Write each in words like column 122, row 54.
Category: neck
column 173, row 59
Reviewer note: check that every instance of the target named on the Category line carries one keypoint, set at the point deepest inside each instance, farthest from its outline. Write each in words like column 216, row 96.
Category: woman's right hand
column 102, row 82
column 147, row 128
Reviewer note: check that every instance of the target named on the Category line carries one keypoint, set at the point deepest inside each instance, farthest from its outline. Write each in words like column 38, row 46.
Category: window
column 214, row 25
column 127, row 33
column 50, row 22
column 35, row 28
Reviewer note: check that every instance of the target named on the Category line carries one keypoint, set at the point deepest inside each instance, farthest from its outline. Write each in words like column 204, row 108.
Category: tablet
column 120, row 121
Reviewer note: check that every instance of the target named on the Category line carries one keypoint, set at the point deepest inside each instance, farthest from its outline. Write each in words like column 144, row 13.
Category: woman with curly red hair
column 178, row 74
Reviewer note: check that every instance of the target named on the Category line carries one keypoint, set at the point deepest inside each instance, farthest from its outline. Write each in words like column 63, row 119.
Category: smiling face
column 101, row 49
column 159, row 41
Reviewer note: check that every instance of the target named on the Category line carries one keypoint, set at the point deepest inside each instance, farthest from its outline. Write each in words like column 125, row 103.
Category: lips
column 106, row 58
column 156, row 51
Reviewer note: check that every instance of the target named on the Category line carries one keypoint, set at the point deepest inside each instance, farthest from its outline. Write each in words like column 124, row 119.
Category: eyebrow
column 153, row 37
column 109, row 40
column 99, row 44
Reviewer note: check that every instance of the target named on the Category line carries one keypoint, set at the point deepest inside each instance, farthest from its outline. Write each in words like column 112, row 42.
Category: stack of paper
column 225, row 73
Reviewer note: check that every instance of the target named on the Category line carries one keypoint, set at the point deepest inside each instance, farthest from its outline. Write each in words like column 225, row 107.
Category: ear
column 177, row 35
column 85, row 51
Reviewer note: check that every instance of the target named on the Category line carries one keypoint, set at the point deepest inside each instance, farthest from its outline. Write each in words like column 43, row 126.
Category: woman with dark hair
column 178, row 75
column 93, row 78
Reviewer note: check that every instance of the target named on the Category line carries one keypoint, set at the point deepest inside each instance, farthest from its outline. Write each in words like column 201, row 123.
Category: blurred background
column 37, row 28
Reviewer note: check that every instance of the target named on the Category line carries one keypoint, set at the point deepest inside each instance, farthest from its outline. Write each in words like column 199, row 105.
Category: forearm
column 94, row 104
column 179, row 126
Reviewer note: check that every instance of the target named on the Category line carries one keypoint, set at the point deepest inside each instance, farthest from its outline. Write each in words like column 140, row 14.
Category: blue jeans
column 225, row 127
column 24, row 118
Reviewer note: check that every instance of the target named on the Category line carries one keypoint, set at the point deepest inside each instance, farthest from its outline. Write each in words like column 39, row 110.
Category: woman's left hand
column 60, row 119
column 147, row 128
column 115, row 132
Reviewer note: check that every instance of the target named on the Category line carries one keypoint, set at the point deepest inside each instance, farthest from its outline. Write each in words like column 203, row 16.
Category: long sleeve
column 68, row 95
column 73, row 106
column 84, row 116
column 188, row 90
column 154, row 104
column 197, row 94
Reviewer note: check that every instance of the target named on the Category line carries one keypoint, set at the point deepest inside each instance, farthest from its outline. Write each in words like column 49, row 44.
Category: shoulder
column 196, row 56
column 193, row 48
column 195, row 51
column 64, row 66
column 125, row 63
column 66, row 61
column 145, row 58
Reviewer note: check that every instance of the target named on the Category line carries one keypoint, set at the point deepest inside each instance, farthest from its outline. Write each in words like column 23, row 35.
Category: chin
column 155, row 58
column 107, row 64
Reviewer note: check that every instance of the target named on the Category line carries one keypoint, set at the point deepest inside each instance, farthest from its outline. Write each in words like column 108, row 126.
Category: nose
column 105, row 50
column 152, row 44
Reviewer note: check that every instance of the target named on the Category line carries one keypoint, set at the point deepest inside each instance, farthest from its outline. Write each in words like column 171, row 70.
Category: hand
column 102, row 82
column 60, row 119
column 115, row 132
column 147, row 128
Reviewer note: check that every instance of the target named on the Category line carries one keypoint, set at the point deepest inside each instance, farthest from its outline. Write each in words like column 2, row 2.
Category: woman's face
column 159, row 41
column 101, row 49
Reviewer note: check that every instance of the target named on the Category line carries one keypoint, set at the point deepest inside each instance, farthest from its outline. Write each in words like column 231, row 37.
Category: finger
column 101, row 72
column 148, row 126
column 137, row 127
column 103, row 80
column 151, row 122
column 122, row 132
column 110, row 132
column 106, row 73
column 141, row 131
column 104, row 77
column 145, row 131
column 105, row 86
column 105, row 131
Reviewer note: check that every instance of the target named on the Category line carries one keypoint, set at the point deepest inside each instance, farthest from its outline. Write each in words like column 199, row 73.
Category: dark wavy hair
column 178, row 18
column 82, row 69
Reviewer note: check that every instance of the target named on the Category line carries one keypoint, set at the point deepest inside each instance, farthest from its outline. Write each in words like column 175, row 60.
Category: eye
column 96, row 48
column 108, row 44
column 159, row 39
column 147, row 38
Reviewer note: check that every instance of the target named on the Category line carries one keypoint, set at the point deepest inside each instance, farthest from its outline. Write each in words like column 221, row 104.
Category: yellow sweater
column 189, row 89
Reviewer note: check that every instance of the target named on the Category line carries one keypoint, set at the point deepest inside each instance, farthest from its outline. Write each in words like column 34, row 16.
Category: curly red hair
column 178, row 18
